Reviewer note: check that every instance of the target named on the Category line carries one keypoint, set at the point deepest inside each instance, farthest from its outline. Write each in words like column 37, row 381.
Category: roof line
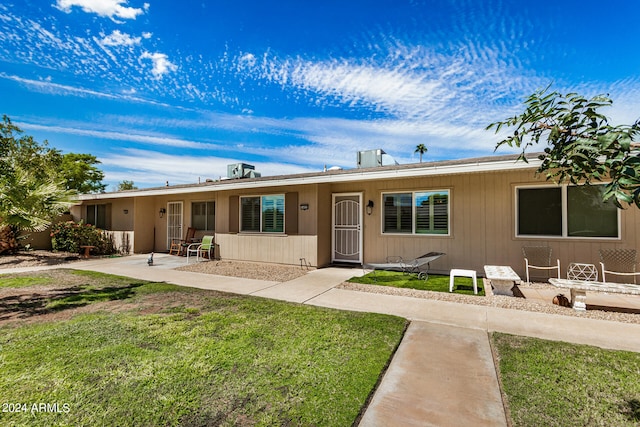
column 473, row 165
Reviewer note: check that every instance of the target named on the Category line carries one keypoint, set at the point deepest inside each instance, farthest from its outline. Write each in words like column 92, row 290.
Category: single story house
column 478, row 211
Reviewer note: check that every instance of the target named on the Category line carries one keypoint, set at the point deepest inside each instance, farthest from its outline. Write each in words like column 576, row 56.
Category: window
column 420, row 212
column 203, row 215
column 97, row 216
column 567, row 211
column 588, row 215
column 262, row 214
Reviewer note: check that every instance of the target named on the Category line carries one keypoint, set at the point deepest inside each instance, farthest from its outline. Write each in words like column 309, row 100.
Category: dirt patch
column 41, row 303
column 248, row 270
column 36, row 259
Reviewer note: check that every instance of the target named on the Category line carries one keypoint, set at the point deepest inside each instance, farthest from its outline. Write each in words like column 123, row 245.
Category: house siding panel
column 267, row 248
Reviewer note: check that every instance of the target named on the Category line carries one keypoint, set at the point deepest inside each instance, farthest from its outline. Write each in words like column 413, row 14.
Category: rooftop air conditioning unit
column 242, row 170
column 374, row 158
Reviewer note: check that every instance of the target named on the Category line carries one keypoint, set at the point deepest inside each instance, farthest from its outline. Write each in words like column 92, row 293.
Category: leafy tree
column 80, row 173
column 581, row 145
column 421, row 148
column 126, row 185
column 31, row 192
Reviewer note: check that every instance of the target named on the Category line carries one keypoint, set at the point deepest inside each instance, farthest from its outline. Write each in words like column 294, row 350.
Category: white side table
column 463, row 273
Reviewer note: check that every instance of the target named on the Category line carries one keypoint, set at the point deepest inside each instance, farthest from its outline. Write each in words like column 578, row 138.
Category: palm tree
column 32, row 191
column 421, row 148
column 28, row 203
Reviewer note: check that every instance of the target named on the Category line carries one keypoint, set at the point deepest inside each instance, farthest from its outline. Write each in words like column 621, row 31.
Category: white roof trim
column 435, row 169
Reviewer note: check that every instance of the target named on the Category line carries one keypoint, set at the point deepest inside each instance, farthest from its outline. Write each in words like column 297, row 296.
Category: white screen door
column 174, row 222
column 347, row 231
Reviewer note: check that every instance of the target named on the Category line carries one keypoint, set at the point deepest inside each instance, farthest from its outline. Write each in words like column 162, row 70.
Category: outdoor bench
column 579, row 289
column 502, row 278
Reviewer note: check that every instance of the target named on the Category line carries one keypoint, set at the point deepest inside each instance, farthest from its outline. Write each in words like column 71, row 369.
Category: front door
column 346, row 241
column 174, row 222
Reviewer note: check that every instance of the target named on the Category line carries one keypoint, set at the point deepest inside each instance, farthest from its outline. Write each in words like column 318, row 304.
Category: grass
column 23, row 282
column 156, row 354
column 436, row 283
column 559, row 384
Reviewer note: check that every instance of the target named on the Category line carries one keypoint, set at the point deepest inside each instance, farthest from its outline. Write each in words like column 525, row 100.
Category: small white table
column 463, row 273
column 579, row 289
column 502, row 278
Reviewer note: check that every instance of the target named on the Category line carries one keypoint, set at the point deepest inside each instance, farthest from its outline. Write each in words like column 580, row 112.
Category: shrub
column 69, row 236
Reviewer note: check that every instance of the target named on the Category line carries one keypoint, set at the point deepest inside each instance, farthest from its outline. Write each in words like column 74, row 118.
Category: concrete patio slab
column 162, row 270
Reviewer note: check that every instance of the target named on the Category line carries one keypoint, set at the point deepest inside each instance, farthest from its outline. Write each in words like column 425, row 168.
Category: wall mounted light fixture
column 369, row 207
column 304, row 207
column 162, row 212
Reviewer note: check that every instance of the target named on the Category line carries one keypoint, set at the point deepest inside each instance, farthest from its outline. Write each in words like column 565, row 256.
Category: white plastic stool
column 463, row 273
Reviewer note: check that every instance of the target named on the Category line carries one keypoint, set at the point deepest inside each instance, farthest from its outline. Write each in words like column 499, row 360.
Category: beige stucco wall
column 42, row 239
column 144, row 217
column 122, row 214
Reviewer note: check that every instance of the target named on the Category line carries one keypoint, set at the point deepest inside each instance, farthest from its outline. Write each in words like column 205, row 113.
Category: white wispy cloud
column 47, row 86
column 159, row 140
column 117, row 38
column 154, row 168
column 160, row 64
column 406, row 82
column 106, row 8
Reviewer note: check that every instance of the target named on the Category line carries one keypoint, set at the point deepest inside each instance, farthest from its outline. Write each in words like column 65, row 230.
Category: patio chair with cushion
column 539, row 258
column 419, row 265
column 207, row 246
column 621, row 262
column 178, row 246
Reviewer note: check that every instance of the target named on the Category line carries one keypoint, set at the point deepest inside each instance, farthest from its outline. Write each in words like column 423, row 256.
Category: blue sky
column 174, row 91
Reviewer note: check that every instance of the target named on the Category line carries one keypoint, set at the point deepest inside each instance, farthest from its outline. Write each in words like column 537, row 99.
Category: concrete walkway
column 443, row 372
column 440, row 376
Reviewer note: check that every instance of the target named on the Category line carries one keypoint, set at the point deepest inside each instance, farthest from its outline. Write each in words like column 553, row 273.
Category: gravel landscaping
column 499, row 301
column 247, row 270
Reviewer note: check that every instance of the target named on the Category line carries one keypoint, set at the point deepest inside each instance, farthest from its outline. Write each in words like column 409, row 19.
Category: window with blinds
column 262, row 214
column 203, row 216
column 418, row 212
column 272, row 214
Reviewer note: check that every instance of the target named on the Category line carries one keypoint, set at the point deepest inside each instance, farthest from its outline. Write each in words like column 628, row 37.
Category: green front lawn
column 551, row 383
column 119, row 351
column 436, row 283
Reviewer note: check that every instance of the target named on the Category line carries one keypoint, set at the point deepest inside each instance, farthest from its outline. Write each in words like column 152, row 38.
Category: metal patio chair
column 539, row 258
column 621, row 262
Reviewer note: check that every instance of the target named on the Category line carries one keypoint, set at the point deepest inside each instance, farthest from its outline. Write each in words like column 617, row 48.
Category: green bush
column 69, row 236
